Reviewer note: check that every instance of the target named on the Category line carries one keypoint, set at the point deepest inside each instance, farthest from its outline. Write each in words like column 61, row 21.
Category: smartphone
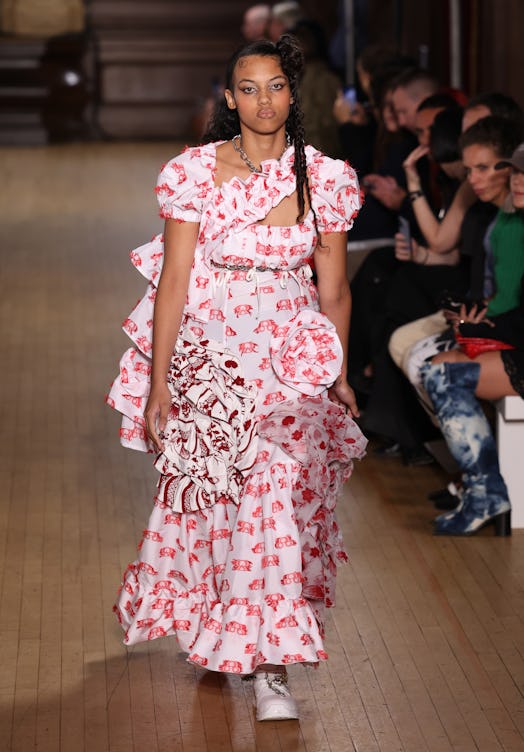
column 350, row 95
column 451, row 302
column 454, row 302
column 405, row 230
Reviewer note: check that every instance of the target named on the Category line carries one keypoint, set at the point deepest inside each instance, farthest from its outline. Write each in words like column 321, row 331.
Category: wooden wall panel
column 493, row 52
column 500, row 52
column 222, row 17
column 419, row 28
column 41, row 18
column 157, row 60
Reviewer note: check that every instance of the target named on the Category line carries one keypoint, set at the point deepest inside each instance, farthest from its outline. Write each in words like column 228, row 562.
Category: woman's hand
column 345, row 112
column 156, row 412
column 403, row 249
column 385, row 189
column 342, row 394
column 411, row 251
column 410, row 166
column 475, row 315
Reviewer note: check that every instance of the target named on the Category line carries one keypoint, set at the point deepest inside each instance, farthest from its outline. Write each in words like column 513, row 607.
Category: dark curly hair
column 501, row 134
column 500, row 105
column 224, row 123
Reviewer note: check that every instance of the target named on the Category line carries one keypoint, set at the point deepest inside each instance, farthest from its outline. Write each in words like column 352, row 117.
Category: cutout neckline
column 253, row 176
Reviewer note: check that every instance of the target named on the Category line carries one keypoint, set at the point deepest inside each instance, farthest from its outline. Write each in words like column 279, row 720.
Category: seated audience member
column 442, row 236
column 491, row 238
column 373, row 285
column 372, row 61
column 425, row 116
column 444, row 149
column 492, row 103
column 393, row 193
column 456, row 380
column 255, row 22
column 414, row 290
column 486, row 236
column 374, row 230
column 318, row 89
column 378, row 221
column 370, row 135
column 284, row 18
column 364, row 126
column 408, row 91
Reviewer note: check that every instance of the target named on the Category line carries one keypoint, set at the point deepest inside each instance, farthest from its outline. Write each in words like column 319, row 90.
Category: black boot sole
column 501, row 522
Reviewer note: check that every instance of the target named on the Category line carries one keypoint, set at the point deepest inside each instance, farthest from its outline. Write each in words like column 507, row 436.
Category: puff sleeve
column 335, row 193
column 183, row 184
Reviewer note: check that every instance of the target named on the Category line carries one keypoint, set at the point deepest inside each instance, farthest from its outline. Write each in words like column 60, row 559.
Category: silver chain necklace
column 237, row 146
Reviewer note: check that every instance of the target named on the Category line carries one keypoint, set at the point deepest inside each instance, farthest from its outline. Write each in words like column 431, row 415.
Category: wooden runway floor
column 426, row 643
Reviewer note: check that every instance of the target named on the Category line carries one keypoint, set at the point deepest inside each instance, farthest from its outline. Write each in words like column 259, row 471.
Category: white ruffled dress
column 239, row 556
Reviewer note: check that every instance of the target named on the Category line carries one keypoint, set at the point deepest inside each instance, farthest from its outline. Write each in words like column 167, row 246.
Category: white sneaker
column 273, row 698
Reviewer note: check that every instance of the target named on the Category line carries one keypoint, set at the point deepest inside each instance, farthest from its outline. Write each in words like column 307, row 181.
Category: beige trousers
column 405, row 337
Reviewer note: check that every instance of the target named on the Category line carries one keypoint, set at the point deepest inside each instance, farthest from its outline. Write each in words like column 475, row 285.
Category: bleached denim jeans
column 451, row 389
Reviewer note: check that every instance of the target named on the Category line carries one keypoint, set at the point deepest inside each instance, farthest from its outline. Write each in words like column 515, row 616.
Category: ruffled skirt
column 239, row 557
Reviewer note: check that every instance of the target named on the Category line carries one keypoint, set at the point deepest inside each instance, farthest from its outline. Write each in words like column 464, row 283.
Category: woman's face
column 516, row 182
column 260, row 93
column 488, row 183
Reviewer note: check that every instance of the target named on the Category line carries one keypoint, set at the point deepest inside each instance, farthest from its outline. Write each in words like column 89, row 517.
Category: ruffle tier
column 324, row 440
column 129, row 391
column 245, row 585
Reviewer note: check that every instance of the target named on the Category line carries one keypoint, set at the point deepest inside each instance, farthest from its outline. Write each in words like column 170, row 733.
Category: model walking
column 239, row 557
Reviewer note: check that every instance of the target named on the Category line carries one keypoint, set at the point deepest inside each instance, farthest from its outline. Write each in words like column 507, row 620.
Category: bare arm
column 335, row 303
column 447, row 258
column 446, row 235
column 421, row 254
column 179, row 246
column 441, row 237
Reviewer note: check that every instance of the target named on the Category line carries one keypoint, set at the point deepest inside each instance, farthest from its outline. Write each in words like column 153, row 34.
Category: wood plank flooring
column 426, row 643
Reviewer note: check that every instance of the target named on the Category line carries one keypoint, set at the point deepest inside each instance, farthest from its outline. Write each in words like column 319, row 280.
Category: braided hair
column 224, row 123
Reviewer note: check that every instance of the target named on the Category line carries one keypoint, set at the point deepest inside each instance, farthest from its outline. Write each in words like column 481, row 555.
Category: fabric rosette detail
column 306, row 353
column 210, row 443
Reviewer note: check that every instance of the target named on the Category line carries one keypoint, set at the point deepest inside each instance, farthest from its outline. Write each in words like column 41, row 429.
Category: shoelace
column 275, row 682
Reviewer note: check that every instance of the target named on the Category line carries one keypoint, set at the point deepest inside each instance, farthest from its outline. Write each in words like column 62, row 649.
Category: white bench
column 510, row 446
